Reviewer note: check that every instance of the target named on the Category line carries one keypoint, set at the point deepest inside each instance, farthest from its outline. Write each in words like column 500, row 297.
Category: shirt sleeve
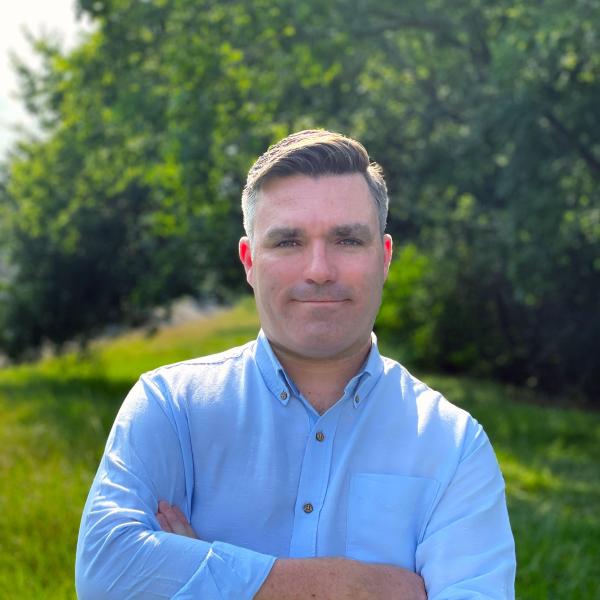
column 121, row 550
column 467, row 549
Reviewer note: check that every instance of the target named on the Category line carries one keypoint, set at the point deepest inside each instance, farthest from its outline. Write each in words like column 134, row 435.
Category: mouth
column 326, row 295
column 322, row 302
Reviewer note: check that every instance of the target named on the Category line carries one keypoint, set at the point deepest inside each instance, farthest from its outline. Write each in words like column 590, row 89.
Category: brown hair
column 314, row 152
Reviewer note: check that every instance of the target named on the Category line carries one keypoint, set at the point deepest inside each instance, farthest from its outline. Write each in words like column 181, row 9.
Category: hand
column 172, row 520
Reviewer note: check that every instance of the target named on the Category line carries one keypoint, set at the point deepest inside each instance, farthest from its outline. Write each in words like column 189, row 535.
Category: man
column 303, row 464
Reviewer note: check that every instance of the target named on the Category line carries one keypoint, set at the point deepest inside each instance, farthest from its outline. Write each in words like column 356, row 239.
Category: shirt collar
column 282, row 387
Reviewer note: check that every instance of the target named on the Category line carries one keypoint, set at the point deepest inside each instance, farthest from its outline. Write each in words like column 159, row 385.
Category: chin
column 320, row 348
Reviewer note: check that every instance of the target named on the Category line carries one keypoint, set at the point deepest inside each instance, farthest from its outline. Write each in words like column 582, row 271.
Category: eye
column 287, row 244
column 350, row 242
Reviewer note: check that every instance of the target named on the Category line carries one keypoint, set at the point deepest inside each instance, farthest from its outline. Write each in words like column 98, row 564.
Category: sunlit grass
column 54, row 418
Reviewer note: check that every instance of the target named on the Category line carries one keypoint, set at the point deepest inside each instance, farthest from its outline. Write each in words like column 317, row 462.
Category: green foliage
column 492, row 134
column 408, row 305
column 55, row 416
column 483, row 114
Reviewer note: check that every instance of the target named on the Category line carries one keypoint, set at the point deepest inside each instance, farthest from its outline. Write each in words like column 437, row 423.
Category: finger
column 167, row 516
column 179, row 515
column 179, row 523
column 176, row 520
column 184, row 522
column 164, row 524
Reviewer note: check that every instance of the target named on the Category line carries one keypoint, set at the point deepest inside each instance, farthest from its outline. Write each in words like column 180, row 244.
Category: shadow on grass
column 70, row 402
column 72, row 413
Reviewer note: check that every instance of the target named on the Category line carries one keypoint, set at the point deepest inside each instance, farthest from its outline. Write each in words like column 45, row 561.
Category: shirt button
column 320, row 436
column 308, row 508
column 283, row 395
column 357, row 399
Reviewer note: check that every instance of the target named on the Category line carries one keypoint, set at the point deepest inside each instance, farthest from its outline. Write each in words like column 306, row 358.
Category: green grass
column 55, row 415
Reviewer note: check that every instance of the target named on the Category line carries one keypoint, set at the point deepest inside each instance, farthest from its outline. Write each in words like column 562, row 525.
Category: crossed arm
column 123, row 553
column 318, row 578
column 127, row 550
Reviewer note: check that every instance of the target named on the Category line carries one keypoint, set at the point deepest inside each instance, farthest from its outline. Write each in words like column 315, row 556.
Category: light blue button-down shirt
column 392, row 473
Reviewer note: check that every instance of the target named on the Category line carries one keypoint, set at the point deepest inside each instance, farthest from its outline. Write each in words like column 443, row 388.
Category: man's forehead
column 298, row 192
column 326, row 202
column 288, row 182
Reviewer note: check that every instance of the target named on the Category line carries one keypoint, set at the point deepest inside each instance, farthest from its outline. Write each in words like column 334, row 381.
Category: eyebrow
column 278, row 233
column 359, row 230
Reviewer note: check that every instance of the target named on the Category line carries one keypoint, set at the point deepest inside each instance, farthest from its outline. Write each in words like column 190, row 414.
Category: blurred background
column 122, row 159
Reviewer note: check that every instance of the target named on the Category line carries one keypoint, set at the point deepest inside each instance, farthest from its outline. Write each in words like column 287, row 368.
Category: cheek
column 365, row 272
column 370, row 286
column 273, row 276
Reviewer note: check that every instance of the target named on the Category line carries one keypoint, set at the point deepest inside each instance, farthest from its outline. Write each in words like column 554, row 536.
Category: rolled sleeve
column 121, row 551
column 227, row 572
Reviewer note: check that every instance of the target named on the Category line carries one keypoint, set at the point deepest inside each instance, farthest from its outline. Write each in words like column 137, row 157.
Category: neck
column 321, row 380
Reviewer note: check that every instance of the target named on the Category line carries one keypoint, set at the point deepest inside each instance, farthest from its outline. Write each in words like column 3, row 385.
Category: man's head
column 313, row 152
column 316, row 255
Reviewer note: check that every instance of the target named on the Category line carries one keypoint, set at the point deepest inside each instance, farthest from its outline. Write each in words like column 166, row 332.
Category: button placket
column 312, row 488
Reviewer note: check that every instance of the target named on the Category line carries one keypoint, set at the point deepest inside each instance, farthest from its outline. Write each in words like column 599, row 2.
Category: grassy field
column 55, row 415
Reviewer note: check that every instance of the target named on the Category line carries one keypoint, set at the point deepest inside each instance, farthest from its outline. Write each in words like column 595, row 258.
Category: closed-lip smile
column 323, row 301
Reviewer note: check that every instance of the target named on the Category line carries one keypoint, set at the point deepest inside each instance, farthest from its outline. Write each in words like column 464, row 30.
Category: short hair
column 314, row 152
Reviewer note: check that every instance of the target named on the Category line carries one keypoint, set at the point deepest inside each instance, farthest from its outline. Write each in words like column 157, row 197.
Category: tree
column 483, row 115
column 133, row 193
column 496, row 147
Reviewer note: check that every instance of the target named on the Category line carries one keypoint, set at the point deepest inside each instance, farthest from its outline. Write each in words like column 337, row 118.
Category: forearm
column 327, row 578
column 121, row 552
column 339, row 579
column 160, row 565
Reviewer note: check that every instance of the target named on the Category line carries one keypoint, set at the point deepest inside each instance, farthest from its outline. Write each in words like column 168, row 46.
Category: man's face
column 317, row 264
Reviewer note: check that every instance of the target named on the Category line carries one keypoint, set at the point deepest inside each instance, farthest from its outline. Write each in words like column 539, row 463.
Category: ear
column 246, row 257
column 387, row 254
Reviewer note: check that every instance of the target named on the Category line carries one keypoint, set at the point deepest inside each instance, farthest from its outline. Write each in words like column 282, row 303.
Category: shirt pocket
column 386, row 515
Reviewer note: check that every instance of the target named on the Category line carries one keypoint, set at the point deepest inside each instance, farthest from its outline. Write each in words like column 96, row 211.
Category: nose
column 319, row 267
